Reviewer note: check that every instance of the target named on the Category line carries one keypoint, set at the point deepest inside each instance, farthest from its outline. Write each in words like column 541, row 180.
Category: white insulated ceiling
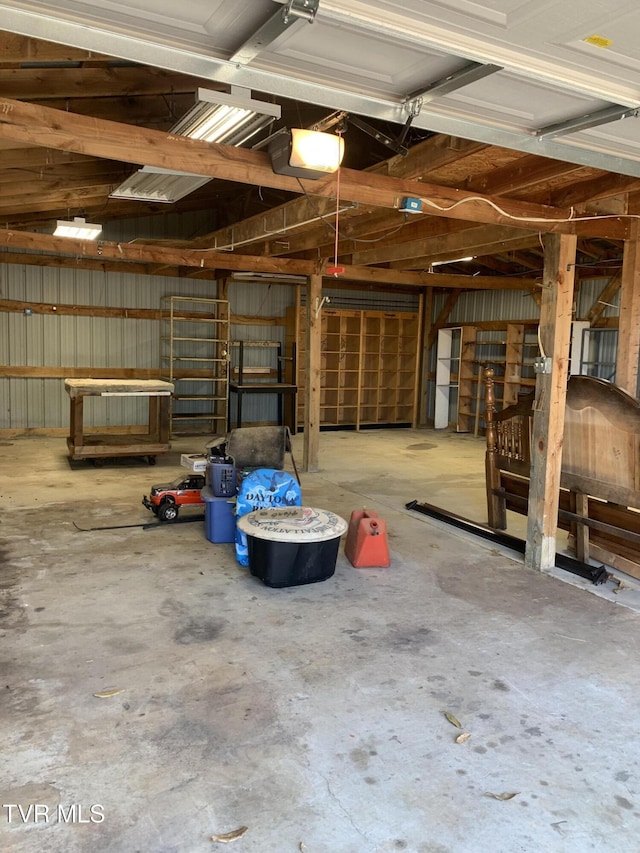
column 553, row 61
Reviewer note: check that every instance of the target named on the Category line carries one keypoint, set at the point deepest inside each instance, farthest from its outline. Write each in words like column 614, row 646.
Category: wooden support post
column 496, row 506
column 581, row 508
column 163, row 419
column 549, row 405
column 426, row 302
column 75, row 421
column 312, row 378
column 154, row 423
column 629, row 328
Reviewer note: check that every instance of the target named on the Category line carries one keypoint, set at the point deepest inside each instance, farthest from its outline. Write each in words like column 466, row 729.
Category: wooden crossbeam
column 166, row 259
column 38, row 125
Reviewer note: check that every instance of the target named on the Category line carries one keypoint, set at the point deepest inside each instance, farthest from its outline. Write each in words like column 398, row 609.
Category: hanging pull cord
column 335, row 270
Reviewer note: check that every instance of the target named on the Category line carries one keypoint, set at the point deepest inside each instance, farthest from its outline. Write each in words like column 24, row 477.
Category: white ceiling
column 559, row 60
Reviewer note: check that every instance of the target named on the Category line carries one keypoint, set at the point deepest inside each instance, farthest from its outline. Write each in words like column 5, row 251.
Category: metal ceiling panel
column 561, row 59
column 536, row 39
column 515, row 103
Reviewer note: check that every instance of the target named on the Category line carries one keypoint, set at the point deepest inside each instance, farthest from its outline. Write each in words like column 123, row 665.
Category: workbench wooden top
column 101, row 387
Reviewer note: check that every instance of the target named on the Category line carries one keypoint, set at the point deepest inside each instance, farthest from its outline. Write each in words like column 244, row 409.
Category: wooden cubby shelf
column 369, row 366
column 462, row 354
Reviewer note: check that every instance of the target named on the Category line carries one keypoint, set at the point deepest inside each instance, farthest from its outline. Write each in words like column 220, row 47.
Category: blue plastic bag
column 264, row 487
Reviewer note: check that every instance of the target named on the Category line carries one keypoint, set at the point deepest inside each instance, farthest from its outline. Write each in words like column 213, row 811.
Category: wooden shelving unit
column 194, row 355
column 462, row 354
column 369, row 366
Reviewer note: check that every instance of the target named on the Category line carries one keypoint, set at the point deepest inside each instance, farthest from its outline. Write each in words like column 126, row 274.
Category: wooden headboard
column 601, row 446
column 600, row 461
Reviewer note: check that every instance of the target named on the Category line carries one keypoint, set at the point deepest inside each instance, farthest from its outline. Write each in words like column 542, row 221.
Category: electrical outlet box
column 543, row 365
column 411, row 205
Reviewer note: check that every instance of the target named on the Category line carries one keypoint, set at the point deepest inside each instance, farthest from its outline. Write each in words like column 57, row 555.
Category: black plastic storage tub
column 289, row 546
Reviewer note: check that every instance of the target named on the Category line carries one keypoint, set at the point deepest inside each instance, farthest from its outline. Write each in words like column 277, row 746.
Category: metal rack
column 194, row 355
column 262, row 379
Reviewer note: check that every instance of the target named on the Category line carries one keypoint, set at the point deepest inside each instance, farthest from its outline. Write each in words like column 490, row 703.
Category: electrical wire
column 383, row 237
column 313, row 204
column 502, row 212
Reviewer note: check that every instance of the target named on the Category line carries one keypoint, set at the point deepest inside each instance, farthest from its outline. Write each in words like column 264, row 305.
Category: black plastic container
column 292, row 546
column 287, row 564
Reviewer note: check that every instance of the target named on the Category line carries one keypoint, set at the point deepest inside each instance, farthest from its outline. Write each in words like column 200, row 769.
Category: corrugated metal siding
column 67, row 341
column 590, row 290
column 75, row 341
column 180, row 226
column 48, row 340
column 483, row 305
column 257, row 299
column 368, row 300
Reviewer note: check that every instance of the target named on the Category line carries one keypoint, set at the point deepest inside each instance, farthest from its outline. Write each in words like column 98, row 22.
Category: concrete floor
column 313, row 715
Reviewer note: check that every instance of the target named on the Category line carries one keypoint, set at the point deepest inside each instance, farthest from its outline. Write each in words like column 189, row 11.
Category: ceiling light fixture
column 305, row 153
column 232, row 118
column 78, row 228
column 152, row 183
column 452, row 261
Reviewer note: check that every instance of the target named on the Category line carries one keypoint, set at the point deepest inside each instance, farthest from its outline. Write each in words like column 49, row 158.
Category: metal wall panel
column 181, row 226
column 257, row 299
column 590, row 290
column 484, row 305
column 51, row 340
column 363, row 300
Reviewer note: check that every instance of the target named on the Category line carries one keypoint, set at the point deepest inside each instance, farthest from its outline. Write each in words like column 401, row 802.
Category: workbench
column 98, row 445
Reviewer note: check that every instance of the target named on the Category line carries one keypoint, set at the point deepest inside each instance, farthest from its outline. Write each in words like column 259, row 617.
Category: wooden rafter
column 35, row 124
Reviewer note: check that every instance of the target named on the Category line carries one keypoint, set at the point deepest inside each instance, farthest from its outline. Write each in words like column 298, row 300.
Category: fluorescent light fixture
column 452, row 261
column 233, row 118
column 152, row 183
column 78, row 228
column 230, row 118
column 305, row 153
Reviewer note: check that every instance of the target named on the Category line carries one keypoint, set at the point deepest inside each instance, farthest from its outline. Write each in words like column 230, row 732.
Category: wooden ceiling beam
column 523, row 174
column 25, row 181
column 67, row 262
column 200, row 258
column 38, row 84
column 605, row 186
column 54, row 128
column 444, row 248
column 20, row 158
column 527, row 260
column 157, row 111
column 18, row 49
column 71, row 200
column 300, row 213
column 470, row 241
column 122, row 255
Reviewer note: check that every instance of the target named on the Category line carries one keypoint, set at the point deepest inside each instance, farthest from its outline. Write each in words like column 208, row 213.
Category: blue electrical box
column 411, row 205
